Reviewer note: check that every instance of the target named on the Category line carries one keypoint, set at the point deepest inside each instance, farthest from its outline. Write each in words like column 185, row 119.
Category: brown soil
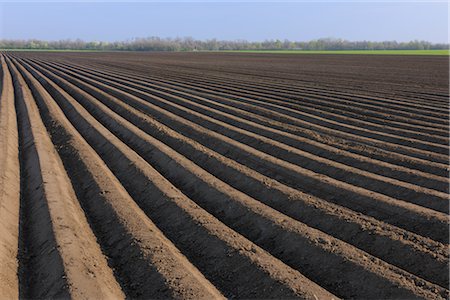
column 207, row 175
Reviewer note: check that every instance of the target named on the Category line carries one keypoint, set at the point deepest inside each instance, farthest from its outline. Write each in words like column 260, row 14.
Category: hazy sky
column 226, row 20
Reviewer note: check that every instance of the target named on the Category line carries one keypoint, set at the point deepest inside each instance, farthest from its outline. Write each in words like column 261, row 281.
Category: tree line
column 190, row 44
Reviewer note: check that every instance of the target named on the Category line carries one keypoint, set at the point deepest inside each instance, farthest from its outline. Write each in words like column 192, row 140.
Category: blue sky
column 252, row 20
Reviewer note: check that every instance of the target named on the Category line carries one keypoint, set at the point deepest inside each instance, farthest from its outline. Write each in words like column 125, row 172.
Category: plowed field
column 209, row 175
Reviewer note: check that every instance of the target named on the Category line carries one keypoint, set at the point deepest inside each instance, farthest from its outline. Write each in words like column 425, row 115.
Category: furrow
column 376, row 127
column 322, row 90
column 306, row 142
column 380, row 80
column 232, row 263
column 238, row 211
column 325, row 97
column 287, row 138
column 148, row 263
column 403, row 160
column 396, row 212
column 64, row 259
column 268, row 143
column 300, row 86
column 9, row 187
column 194, row 82
column 225, row 102
column 290, row 86
column 389, row 243
column 361, row 117
column 422, row 149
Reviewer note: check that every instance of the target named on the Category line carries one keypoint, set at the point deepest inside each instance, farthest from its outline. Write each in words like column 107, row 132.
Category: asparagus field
column 223, row 175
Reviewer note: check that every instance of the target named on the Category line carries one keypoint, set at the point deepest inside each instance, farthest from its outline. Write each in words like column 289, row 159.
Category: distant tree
column 190, row 44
